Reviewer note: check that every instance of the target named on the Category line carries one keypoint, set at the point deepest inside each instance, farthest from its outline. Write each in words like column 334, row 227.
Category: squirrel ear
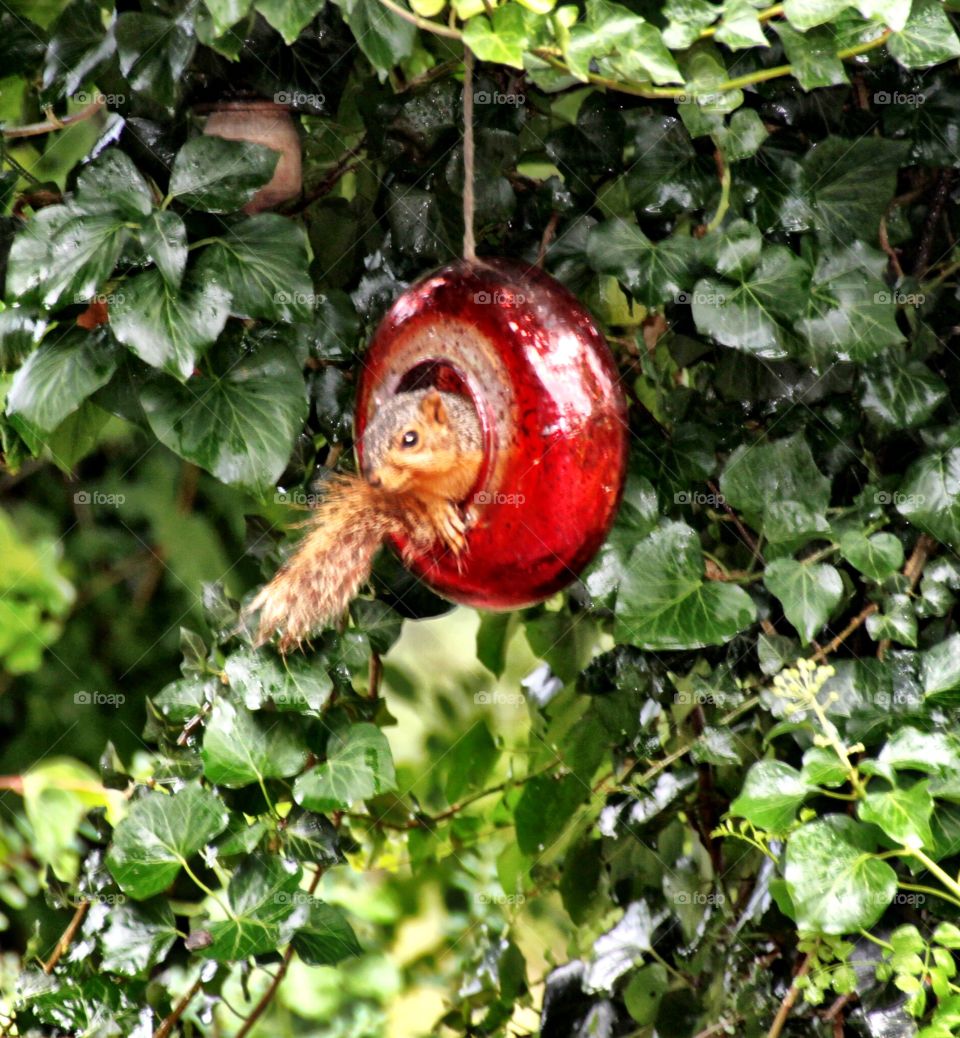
column 432, row 408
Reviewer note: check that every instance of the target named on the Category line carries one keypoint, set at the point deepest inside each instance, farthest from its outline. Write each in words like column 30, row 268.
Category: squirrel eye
column 410, row 439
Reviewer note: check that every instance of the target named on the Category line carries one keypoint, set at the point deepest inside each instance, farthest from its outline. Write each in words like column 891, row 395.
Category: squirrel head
column 416, row 438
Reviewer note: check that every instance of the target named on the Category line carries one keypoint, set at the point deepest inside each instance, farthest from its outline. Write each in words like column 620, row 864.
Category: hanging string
column 469, row 241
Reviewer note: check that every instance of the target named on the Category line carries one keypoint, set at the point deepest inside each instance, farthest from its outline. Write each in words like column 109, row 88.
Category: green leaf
column 835, row 883
column 154, row 53
column 761, row 479
column 644, row 992
column 501, row 38
column 57, row 377
column 289, row 17
column 263, row 892
column 622, row 44
column 876, row 557
column 920, row 751
column 239, row 425
column 138, row 936
column 752, row 315
column 742, row 136
column 226, row 13
column 112, row 181
column 686, row 20
column 899, row 393
column 545, row 809
column 812, row 55
column 168, row 328
column 897, row 622
column 65, row 254
column 262, row 262
column 940, row 670
column 822, row 767
column 327, row 937
column 740, row 27
column 240, row 747
column 903, row 814
column 295, row 684
column 158, row 836
column 805, row 14
column 652, row 274
column 469, row 762
column 358, row 766
column 808, row 593
column 929, row 496
column 79, row 47
column 664, row 602
column 771, row 795
column 164, row 240
column 384, row 37
column 220, row 175
column 928, row 38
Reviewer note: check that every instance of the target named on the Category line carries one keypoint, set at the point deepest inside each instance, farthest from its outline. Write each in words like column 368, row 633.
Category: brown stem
column 888, row 248
column 167, row 1026
column 260, row 1008
column 822, row 653
column 67, row 937
column 52, row 123
column 345, row 164
column 746, row 536
column 376, row 675
column 944, row 182
column 789, row 999
column 549, row 231
column 912, row 570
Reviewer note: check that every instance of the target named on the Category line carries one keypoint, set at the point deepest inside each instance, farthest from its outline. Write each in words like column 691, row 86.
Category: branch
column 789, row 999
column 52, row 123
column 67, row 937
column 421, row 23
column 165, row 1028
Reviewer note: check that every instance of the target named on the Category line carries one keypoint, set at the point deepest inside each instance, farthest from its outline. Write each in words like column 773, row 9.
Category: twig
column 345, row 164
column 469, row 240
column 260, row 1008
column 746, row 536
column 548, row 232
column 52, row 123
column 789, row 999
column 822, row 653
column 165, row 1028
column 67, row 937
column 888, row 248
column 376, row 675
column 940, row 196
column 912, row 570
column 421, row 23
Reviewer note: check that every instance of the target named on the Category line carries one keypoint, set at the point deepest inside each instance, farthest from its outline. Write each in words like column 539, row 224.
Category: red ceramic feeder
column 545, row 386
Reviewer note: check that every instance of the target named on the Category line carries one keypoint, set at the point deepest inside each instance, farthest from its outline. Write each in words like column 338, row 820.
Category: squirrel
column 422, row 453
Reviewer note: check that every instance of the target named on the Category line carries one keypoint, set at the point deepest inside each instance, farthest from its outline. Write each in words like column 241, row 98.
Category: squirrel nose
column 368, row 475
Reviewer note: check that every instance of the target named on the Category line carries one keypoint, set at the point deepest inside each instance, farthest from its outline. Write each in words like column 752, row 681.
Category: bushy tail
column 315, row 585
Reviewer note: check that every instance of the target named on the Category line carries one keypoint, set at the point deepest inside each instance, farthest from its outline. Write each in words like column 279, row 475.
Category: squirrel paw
column 452, row 530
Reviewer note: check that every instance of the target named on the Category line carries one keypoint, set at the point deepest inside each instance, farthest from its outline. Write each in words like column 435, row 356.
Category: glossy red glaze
column 554, row 418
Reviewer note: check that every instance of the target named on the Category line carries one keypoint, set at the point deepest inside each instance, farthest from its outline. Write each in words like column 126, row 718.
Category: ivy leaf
column 240, row 747
column 876, row 557
column 65, row 254
column 652, row 274
column 166, row 328
column 262, row 893
column 805, row 14
column 807, row 592
column 928, row 38
column 154, row 53
column 226, row 13
column 621, row 948
column 544, row 811
column 80, row 45
column 358, row 765
column 327, row 937
column 289, row 17
column 137, row 937
column 812, row 54
column 664, row 602
column 750, row 315
column 220, row 176
column 771, row 795
column 297, row 684
column 742, row 136
column 740, row 27
column 112, row 181
column 822, row 767
column 622, row 44
column 57, row 377
column 262, row 262
column 761, row 479
column 384, row 37
column 835, row 883
column 163, row 237
column 901, row 394
column 903, row 814
column 929, row 496
column 239, row 425
column 501, row 38
column 897, row 622
column 920, row 751
column 940, row 670
column 158, row 836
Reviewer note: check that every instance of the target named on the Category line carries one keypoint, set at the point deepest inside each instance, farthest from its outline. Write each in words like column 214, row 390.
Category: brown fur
column 409, row 491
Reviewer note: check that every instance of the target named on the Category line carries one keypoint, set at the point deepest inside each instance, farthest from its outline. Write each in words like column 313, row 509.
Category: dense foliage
column 715, row 787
